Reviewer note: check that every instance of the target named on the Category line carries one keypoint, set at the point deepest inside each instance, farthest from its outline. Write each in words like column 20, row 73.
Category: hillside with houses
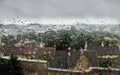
column 71, row 47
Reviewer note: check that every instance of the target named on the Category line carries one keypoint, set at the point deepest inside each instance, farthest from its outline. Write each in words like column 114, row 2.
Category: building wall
column 34, row 68
column 40, row 68
column 94, row 72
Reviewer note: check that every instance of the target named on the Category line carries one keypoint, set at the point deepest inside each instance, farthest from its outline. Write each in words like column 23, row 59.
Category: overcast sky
column 60, row 8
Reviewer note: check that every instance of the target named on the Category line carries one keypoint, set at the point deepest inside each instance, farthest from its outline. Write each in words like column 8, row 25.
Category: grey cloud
column 60, row 8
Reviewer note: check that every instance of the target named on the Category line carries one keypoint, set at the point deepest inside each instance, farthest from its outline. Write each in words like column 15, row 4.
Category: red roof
column 29, row 51
column 33, row 51
column 48, row 50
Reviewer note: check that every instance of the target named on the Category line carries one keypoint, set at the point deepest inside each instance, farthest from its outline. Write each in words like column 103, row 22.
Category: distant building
column 32, row 48
column 96, row 54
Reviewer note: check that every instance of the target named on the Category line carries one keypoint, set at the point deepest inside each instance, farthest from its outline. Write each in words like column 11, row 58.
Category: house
column 91, row 57
column 33, row 48
column 50, row 50
column 96, row 54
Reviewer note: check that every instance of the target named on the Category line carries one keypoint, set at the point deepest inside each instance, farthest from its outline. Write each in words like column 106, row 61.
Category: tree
column 18, row 37
column 50, row 38
column 45, row 56
column 8, row 40
column 14, row 66
column 4, row 40
column 79, row 41
column 64, row 40
column 10, row 67
column 4, row 70
column 106, row 63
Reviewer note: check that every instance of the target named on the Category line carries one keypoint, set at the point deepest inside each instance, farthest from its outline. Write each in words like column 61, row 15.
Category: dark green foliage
column 45, row 56
column 10, row 67
column 29, row 36
column 8, row 40
column 50, row 38
column 18, row 37
column 106, row 63
column 4, row 69
column 64, row 41
column 64, row 38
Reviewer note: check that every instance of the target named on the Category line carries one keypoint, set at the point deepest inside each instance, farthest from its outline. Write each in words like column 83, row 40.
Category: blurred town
column 66, row 51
